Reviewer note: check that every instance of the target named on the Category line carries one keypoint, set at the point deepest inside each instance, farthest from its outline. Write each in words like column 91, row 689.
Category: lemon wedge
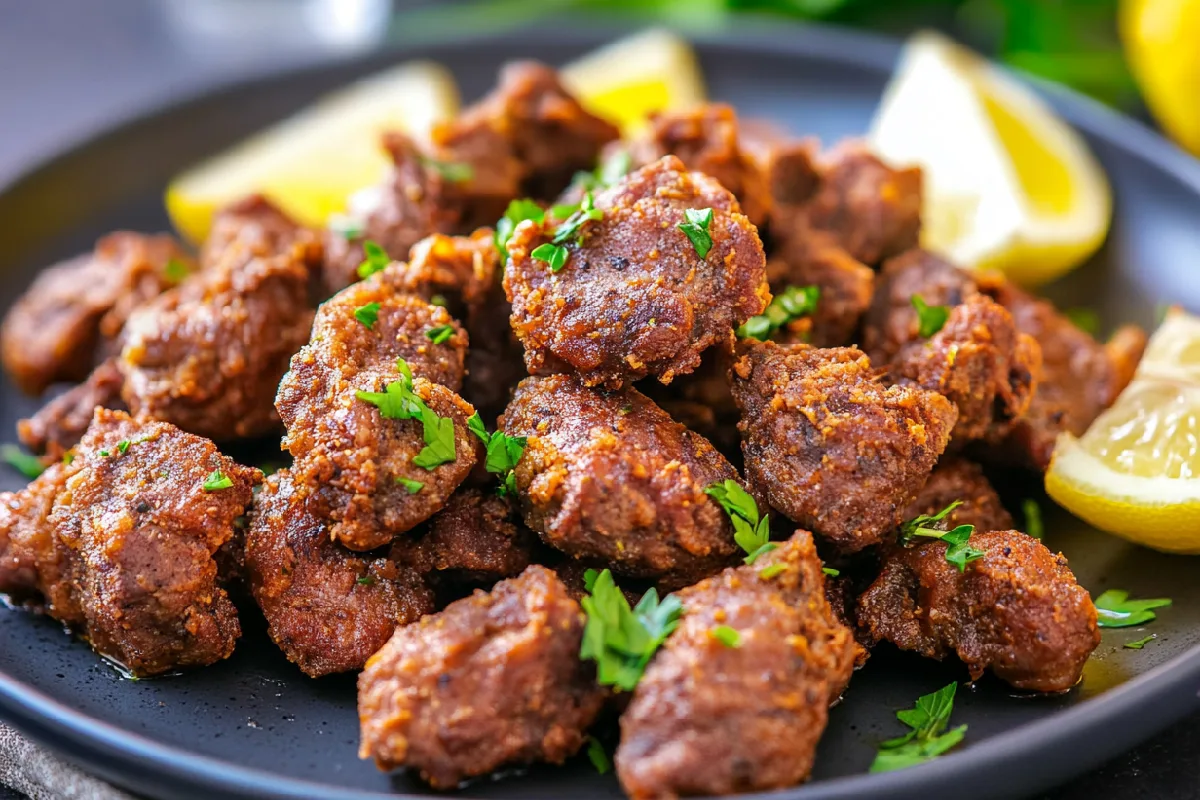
column 1160, row 39
column 1136, row 471
column 1008, row 185
column 628, row 80
column 312, row 162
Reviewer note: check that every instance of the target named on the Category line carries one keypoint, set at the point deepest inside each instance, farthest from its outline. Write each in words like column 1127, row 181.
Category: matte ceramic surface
column 255, row 727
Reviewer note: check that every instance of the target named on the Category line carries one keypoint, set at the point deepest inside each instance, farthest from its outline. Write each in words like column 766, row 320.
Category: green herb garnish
column 365, row 580
column 608, row 172
column 1138, row 644
column 578, row 217
column 376, row 259
column 217, row 481
column 1114, row 609
column 1033, row 518
column 25, row 463
column 1086, row 319
column 440, row 335
column 398, row 401
column 349, row 227
column 696, row 229
column 770, row 571
column 958, row 551
column 930, row 319
column 791, row 304
column 928, row 738
column 554, row 255
column 123, row 446
column 368, row 314
column 438, row 300
column 503, row 453
column 453, row 171
column 751, row 531
column 517, row 212
column 412, row 486
column 176, row 270
column 622, row 640
column 726, row 635
column 438, row 434
column 831, row 572
column 598, row 757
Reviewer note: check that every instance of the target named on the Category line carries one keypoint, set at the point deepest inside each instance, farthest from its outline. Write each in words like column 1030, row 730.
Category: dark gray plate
column 255, row 727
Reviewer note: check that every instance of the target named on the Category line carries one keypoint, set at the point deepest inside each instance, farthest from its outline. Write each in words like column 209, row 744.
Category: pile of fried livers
column 604, row 456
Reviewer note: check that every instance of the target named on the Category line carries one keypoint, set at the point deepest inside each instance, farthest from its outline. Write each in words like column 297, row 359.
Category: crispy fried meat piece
column 706, row 139
column 60, row 424
column 494, row 679
column 328, row 608
column 142, row 514
column 959, row 479
column 1017, row 611
column 635, row 298
column 207, row 356
column 35, row 568
column 829, row 444
column 846, row 287
column 357, row 462
column 1080, row 378
column 68, row 319
column 708, row 718
column 255, row 227
column 611, row 476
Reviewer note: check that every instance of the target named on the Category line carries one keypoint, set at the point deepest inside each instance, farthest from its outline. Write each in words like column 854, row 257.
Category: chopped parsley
column 69, row 457
column 608, row 172
column 365, row 580
column 367, row 314
column 25, row 463
column 1033, row 518
column 438, row 300
column 958, row 551
column 831, row 572
column 398, row 401
column 751, row 531
column 696, row 229
column 726, row 635
column 622, row 640
column 770, row 571
column 503, row 453
column 930, row 319
column 1138, row 644
column 597, row 755
column 453, row 171
column 176, row 270
column 104, row 454
column 376, row 259
column 553, row 254
column 123, row 446
column 217, row 481
column 1086, row 319
column 517, row 212
column 1114, row 609
column 440, row 335
column 412, row 486
column 576, row 218
column 928, row 738
column 791, row 304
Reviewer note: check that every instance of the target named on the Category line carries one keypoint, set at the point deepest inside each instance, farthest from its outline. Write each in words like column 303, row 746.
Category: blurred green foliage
column 1070, row 41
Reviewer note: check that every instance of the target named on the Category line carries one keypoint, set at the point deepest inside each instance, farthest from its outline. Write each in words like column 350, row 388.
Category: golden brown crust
column 35, row 568
column 958, row 479
column 60, row 424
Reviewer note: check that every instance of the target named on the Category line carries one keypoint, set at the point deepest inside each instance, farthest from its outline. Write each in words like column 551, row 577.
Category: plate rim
column 1170, row 689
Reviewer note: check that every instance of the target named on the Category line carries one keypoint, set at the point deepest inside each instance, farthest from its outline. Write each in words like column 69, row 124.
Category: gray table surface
column 69, row 68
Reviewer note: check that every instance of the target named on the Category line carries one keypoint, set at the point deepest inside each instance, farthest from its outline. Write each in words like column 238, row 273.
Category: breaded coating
column 474, row 539
column 348, row 455
column 328, row 608
column 635, row 298
column 67, row 320
column 708, row 718
column 610, row 476
column 980, row 363
column 207, row 356
column 493, row 679
column 60, row 424
column 874, row 211
column 830, row 445
column 35, row 568
column 142, row 530
column 959, row 479
column 1017, row 611
column 706, row 138
column 846, row 287
column 255, row 227
column 528, row 137
column 1080, row 377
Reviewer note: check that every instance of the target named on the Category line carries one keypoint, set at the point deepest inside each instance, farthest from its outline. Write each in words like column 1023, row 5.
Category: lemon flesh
column 1161, row 40
column 311, row 163
column 1136, row 471
column 1008, row 185
column 634, row 77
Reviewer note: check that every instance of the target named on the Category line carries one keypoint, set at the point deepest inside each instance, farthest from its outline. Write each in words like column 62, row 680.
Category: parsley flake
column 554, row 255
column 622, row 640
column 1114, row 609
column 930, row 319
column 928, row 738
column 69, row 457
column 751, row 532
column 438, row 435
column 365, row 580
column 25, row 463
column 1138, row 644
column 768, row 572
column 517, row 212
column 440, row 335
column 696, row 229
column 217, row 481
column 123, row 446
column 608, row 172
column 576, row 218
column 376, row 259
column 1033, row 518
column 398, row 401
column 105, row 454
column 597, row 755
column 589, row 578
column 726, row 635
column 176, row 270
column 791, row 304
column 958, row 551
column 412, row 486
column 438, row 300
column 503, row 453
column 453, row 171
column 831, row 572
column 368, row 314
column 1086, row 319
